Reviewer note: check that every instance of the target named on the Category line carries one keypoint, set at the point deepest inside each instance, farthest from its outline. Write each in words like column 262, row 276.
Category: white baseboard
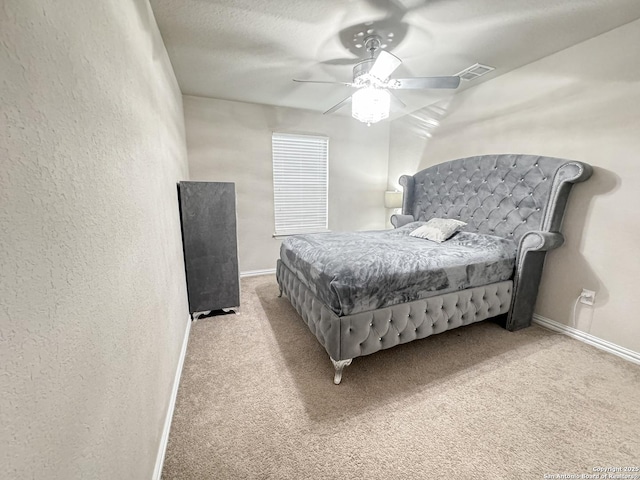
column 157, row 471
column 255, row 273
column 597, row 342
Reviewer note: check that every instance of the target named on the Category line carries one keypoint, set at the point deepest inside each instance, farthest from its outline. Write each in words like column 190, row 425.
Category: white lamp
column 370, row 105
column 392, row 199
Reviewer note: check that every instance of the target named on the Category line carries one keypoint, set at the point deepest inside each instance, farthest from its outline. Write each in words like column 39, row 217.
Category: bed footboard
column 350, row 336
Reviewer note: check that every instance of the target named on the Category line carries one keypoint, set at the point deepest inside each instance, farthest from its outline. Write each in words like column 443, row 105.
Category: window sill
column 292, row 234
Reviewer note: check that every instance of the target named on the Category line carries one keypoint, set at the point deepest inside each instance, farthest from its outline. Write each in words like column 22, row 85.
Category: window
column 300, row 183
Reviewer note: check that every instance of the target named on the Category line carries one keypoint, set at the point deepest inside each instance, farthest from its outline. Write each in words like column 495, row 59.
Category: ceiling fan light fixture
column 371, row 101
column 370, row 105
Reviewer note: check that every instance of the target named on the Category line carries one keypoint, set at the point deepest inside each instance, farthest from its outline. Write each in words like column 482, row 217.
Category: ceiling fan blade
column 338, row 106
column 384, row 65
column 424, row 82
column 342, row 61
column 324, row 81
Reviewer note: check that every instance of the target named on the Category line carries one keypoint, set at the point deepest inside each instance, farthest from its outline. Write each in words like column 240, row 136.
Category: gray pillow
column 438, row 229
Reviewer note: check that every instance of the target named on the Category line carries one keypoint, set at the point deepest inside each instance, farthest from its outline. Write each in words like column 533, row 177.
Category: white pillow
column 438, row 229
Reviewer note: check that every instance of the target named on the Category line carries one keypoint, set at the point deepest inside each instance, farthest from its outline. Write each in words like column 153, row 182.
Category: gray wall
column 582, row 103
column 93, row 303
column 231, row 142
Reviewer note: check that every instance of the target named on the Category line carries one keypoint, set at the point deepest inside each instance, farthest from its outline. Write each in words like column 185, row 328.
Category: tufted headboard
column 521, row 197
column 503, row 195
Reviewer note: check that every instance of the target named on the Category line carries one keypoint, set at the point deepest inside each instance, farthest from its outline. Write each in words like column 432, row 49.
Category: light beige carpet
column 257, row 401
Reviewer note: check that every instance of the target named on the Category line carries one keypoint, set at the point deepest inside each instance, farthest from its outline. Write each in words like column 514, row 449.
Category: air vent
column 474, row 71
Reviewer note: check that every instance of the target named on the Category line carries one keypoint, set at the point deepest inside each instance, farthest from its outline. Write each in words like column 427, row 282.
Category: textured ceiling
column 250, row 50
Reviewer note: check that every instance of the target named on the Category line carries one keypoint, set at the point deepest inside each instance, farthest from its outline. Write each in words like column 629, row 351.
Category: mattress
column 354, row 272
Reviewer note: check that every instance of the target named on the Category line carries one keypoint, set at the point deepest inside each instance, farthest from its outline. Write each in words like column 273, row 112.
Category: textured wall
column 93, row 302
column 231, row 142
column 582, row 103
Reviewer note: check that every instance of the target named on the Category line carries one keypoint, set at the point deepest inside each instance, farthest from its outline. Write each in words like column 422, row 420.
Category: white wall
column 93, row 301
column 231, row 141
column 582, row 103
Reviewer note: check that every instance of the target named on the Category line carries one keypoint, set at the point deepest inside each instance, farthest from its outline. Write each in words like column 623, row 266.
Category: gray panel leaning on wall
column 208, row 214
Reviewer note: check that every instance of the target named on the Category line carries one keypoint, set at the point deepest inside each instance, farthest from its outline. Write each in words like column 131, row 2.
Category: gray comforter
column 360, row 271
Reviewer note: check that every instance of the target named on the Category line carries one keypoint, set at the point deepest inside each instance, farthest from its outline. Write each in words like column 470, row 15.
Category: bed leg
column 280, row 294
column 339, row 366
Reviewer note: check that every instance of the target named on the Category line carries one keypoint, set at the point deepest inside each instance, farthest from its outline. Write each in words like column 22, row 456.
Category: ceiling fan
column 371, row 102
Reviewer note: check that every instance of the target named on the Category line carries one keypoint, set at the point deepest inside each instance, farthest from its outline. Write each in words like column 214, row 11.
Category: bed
column 362, row 292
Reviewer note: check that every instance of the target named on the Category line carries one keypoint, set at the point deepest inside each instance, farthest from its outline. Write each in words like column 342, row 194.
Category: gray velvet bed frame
column 521, row 197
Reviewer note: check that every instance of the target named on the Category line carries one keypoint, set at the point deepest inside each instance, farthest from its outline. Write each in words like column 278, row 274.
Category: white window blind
column 300, row 183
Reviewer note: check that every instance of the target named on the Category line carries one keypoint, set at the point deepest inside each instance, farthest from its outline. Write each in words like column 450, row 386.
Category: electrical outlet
column 588, row 297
